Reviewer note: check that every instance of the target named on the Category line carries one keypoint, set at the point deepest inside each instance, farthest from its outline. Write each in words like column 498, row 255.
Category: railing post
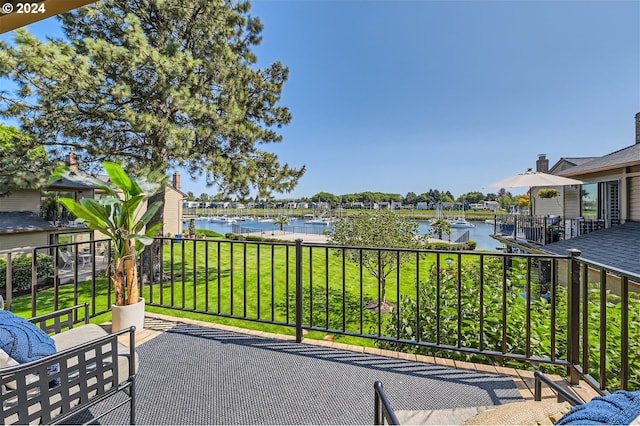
column 299, row 319
column 573, row 315
column 9, row 282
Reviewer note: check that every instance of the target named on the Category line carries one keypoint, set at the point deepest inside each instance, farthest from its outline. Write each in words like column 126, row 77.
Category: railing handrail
column 300, row 261
column 384, row 413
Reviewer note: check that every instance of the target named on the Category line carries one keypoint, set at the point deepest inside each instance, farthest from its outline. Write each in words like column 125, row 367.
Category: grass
column 256, row 282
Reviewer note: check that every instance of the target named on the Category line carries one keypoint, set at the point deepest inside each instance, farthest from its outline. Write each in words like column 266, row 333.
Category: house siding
column 21, row 201
column 32, row 239
column 572, row 202
column 172, row 212
column 633, row 198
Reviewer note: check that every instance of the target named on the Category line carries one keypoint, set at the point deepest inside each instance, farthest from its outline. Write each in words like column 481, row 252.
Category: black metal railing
column 544, row 230
column 72, row 271
column 543, row 309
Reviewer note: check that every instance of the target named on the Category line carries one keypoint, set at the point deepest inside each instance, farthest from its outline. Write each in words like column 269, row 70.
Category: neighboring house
column 20, row 222
column 611, row 189
column 26, row 222
column 491, row 205
column 34, row 218
column 611, row 194
column 172, row 208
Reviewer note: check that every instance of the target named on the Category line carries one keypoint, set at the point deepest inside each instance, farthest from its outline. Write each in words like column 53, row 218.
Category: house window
column 601, row 201
column 590, row 201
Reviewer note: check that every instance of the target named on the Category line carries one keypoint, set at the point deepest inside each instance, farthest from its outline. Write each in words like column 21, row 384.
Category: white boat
column 462, row 223
column 218, row 219
column 316, row 222
column 222, row 219
column 266, row 220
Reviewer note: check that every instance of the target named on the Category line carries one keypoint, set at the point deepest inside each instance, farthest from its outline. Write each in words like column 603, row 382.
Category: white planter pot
column 125, row 316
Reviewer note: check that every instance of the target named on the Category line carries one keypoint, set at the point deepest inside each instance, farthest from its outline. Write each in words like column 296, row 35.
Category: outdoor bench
column 90, row 366
column 529, row 412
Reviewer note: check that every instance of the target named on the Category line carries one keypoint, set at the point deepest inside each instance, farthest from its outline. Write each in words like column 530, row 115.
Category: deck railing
column 561, row 311
column 544, row 230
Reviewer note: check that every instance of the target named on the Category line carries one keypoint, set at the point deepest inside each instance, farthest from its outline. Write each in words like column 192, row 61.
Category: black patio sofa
column 92, row 366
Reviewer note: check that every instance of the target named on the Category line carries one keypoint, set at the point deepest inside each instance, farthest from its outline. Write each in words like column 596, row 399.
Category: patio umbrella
column 533, row 179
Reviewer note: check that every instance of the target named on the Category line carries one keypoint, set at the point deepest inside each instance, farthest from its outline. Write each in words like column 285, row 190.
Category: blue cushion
column 619, row 408
column 24, row 341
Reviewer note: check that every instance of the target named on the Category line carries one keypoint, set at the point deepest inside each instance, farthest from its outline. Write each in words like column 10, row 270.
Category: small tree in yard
column 282, row 221
column 440, row 227
column 377, row 228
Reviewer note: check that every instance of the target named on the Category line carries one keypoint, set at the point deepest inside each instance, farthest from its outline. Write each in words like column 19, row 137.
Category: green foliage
column 208, row 233
column 21, row 270
column 24, row 164
column 192, row 227
column 548, row 193
column 471, row 245
column 282, row 221
column 613, row 326
column 341, row 309
column 469, row 312
column 377, row 228
column 440, row 227
column 120, row 217
column 156, row 85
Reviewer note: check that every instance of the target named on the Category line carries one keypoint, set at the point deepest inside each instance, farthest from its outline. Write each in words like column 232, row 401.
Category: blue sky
column 398, row 96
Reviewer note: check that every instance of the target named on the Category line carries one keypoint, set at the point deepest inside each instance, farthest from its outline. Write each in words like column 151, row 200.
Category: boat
column 462, row 223
column 218, row 219
column 317, row 221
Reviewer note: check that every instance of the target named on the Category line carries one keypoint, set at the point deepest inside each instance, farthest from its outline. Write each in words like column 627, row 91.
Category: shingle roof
column 618, row 246
column 12, row 222
column 626, row 156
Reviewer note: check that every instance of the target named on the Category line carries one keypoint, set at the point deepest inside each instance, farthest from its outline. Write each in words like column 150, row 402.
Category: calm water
column 480, row 233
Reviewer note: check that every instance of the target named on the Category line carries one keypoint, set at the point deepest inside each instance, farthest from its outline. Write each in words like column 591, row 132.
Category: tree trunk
column 131, row 271
column 118, row 281
column 152, row 252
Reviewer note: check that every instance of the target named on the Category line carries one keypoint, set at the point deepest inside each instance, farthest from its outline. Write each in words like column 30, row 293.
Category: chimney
column 73, row 162
column 638, row 127
column 542, row 164
column 176, row 181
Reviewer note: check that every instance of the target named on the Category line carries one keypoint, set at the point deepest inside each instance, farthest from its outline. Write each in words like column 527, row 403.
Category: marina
column 480, row 232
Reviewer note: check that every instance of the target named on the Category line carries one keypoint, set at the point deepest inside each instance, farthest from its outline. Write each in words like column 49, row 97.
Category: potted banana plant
column 119, row 216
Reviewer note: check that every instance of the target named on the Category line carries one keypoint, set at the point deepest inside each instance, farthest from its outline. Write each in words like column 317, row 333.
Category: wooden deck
column 155, row 324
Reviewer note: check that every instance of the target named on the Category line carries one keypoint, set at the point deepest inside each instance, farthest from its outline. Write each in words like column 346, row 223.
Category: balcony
column 445, row 323
column 542, row 230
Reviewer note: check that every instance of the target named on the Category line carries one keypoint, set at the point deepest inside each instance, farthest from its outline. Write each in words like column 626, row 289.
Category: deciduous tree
column 377, row 228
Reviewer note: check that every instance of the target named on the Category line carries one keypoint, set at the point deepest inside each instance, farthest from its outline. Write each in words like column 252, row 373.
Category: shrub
column 446, row 303
column 548, row 193
column 21, row 270
column 208, row 233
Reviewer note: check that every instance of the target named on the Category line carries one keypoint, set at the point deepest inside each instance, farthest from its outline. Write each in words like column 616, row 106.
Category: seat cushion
column 443, row 416
column 522, row 413
column 85, row 333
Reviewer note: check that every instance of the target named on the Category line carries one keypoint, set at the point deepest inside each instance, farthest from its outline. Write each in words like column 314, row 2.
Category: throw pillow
column 619, row 408
column 24, row 342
